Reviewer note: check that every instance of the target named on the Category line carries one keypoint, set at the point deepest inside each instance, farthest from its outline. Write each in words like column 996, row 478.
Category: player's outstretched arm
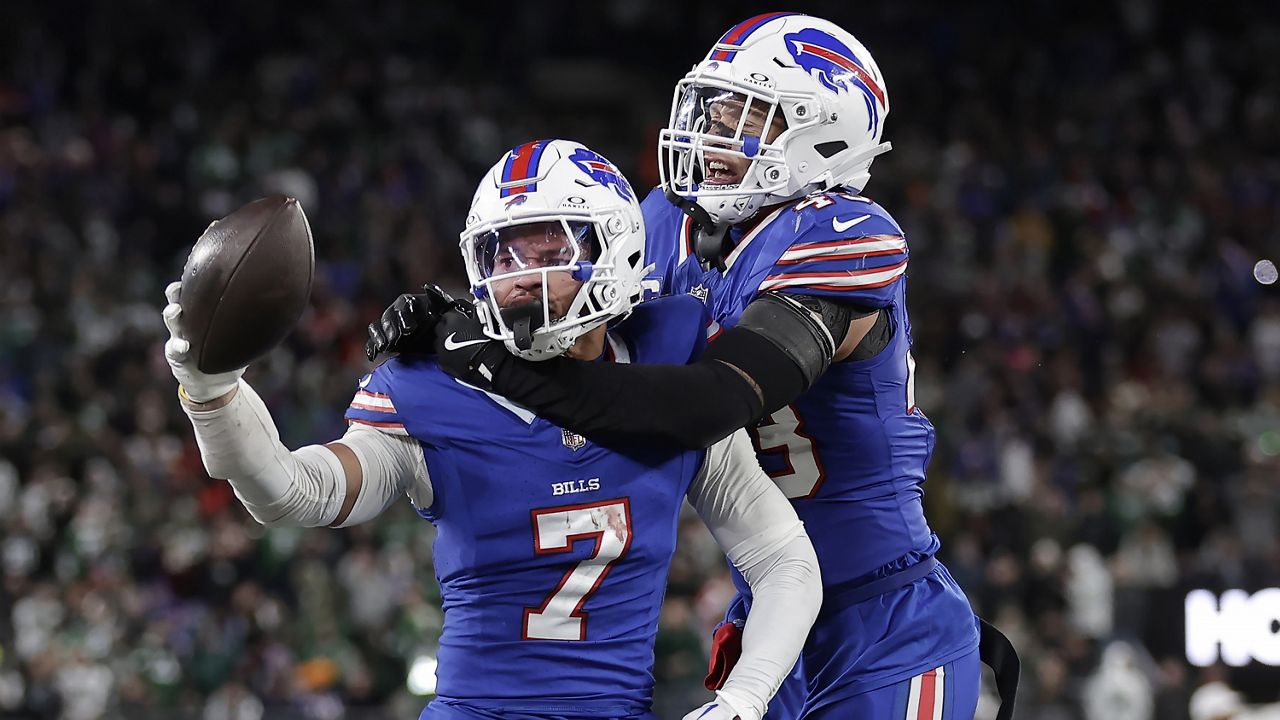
column 758, row 529
column 345, row 482
column 780, row 347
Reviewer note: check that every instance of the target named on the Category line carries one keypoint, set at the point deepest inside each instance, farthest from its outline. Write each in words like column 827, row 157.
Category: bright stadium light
column 422, row 675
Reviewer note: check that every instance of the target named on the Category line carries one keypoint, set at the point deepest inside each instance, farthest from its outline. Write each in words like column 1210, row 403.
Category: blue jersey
column 552, row 552
column 851, row 452
column 856, row 435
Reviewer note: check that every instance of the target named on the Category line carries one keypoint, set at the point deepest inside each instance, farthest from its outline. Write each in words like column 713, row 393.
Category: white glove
column 720, row 709
column 195, row 385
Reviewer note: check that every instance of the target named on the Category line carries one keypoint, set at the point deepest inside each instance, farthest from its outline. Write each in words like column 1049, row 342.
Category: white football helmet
column 553, row 206
column 803, row 78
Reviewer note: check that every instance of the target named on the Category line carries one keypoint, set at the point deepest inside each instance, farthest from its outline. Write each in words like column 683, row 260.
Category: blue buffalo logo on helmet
column 836, row 67
column 602, row 171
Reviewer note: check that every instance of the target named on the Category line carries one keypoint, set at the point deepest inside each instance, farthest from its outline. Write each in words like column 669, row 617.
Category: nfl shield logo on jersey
column 701, row 292
column 573, row 440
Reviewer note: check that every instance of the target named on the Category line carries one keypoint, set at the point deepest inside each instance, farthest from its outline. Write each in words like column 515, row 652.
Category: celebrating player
column 769, row 144
column 552, row 551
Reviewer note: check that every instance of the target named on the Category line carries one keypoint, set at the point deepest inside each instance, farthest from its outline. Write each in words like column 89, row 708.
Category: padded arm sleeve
column 621, row 404
column 778, row 350
column 759, row 530
column 304, row 488
column 389, row 466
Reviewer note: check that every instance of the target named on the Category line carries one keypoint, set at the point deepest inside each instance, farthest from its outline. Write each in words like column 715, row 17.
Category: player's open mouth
column 720, row 174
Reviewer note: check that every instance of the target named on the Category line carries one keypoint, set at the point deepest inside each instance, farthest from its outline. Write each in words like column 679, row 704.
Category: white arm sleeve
column 390, row 465
column 758, row 529
column 304, row 488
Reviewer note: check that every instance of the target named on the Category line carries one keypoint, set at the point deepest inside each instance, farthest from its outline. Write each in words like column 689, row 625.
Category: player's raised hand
column 408, row 325
column 197, row 386
column 714, row 710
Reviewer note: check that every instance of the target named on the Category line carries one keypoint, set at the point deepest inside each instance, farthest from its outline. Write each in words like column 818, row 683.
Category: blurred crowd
column 1086, row 193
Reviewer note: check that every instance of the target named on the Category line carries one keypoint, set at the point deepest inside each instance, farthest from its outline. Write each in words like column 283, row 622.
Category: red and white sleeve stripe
column 373, row 402
column 366, row 406
column 836, row 279
column 845, row 249
column 394, row 428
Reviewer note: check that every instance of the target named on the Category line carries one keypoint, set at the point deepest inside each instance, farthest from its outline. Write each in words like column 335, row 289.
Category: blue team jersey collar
column 747, row 232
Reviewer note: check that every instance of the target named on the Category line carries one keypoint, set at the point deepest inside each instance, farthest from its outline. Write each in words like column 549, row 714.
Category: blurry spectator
column 1146, row 558
column 232, row 702
column 1089, row 594
column 1173, row 696
column 1216, row 701
column 1050, row 690
column 1119, row 689
column 1155, row 485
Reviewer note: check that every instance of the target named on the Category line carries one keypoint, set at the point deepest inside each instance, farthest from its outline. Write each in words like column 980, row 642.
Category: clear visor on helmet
column 716, row 136
column 727, row 114
column 533, row 280
column 533, row 246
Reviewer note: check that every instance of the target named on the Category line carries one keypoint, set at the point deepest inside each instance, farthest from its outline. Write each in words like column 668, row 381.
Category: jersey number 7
column 555, row 530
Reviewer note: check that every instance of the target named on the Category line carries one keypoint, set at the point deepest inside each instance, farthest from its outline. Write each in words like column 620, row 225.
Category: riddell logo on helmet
column 836, row 67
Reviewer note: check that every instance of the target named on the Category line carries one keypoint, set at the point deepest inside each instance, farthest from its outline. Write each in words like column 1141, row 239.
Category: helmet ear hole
column 827, row 149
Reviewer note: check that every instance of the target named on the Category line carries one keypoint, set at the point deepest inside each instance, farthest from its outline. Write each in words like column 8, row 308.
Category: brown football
column 246, row 283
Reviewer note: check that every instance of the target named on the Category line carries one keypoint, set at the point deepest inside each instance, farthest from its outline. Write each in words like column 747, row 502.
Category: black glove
column 464, row 351
column 408, row 325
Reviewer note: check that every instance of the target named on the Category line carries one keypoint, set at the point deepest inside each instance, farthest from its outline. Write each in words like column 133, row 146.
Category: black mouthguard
column 524, row 320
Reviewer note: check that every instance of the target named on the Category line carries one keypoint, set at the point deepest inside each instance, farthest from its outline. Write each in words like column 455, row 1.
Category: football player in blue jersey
column 552, row 552
column 760, row 215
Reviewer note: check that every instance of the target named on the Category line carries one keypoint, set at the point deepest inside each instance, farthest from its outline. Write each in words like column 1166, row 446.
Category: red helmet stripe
column 847, row 64
column 739, row 32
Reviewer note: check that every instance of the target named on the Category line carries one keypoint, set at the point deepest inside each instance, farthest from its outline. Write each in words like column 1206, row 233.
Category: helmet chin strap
column 709, row 238
column 524, row 320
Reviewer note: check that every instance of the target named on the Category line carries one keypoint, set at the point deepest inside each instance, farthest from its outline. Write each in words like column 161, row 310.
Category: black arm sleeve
column 619, row 404
column 781, row 346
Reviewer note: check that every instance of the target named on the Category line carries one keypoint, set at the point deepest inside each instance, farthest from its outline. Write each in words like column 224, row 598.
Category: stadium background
column 1086, row 190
